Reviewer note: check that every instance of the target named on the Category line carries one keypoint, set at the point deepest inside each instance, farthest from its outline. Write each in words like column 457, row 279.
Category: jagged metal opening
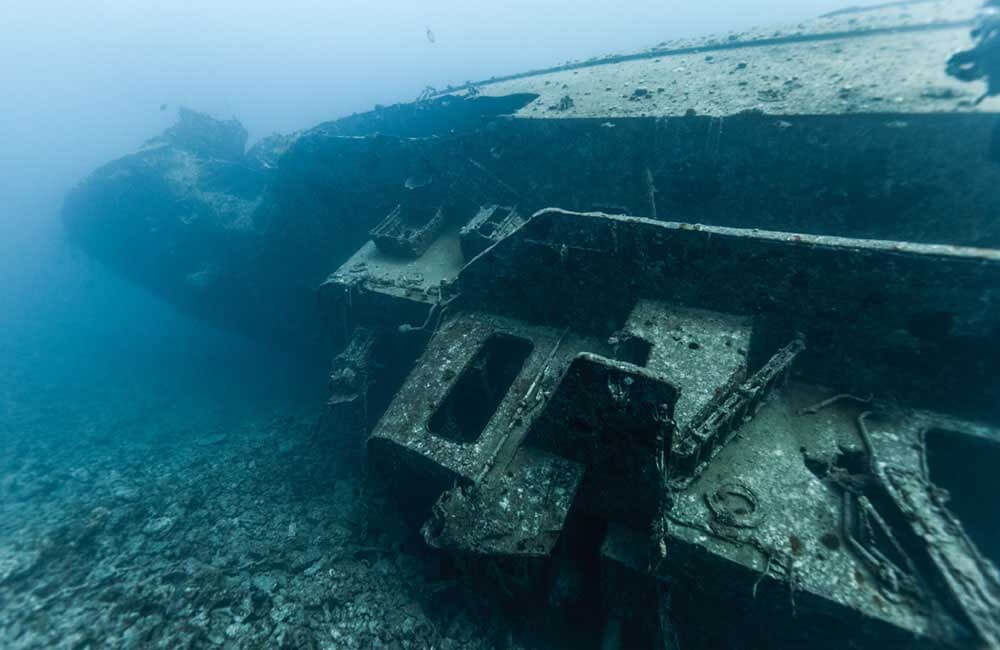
column 489, row 226
column 634, row 350
column 966, row 466
column 476, row 395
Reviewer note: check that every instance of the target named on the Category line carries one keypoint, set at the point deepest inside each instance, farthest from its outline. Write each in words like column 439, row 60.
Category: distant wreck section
column 243, row 237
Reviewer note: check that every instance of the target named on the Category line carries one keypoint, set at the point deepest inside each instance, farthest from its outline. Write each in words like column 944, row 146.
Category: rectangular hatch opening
column 478, row 391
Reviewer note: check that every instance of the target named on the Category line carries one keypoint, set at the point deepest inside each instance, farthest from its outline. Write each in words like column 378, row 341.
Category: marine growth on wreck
column 694, row 347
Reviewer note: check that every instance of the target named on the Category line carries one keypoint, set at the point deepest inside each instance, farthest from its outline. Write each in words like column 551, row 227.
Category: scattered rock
column 208, row 441
column 15, row 564
column 201, row 548
column 265, row 583
column 158, row 525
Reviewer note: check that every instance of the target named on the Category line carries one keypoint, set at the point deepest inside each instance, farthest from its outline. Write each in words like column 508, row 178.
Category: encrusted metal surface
column 404, row 429
column 704, row 353
column 912, row 319
column 490, row 224
column 781, row 549
column 518, row 512
column 887, row 59
column 696, row 444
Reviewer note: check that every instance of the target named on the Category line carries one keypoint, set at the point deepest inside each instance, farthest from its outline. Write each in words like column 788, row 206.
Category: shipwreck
column 696, row 346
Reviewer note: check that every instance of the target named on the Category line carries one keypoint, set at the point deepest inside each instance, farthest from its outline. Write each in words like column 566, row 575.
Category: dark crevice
column 476, row 395
column 967, row 467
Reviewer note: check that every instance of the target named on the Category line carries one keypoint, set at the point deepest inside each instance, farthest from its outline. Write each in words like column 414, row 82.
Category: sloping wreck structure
column 697, row 347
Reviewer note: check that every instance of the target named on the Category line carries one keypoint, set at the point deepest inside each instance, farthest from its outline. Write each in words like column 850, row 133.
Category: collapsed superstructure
column 713, row 435
column 666, row 386
column 697, row 344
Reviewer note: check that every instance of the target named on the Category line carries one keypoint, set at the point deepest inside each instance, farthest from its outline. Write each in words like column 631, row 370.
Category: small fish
column 430, row 35
column 163, row 107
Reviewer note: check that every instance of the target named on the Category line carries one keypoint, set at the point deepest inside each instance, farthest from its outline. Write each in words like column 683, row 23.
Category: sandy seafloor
column 160, row 487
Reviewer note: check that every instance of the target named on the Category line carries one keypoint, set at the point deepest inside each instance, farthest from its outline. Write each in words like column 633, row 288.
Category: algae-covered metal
column 745, row 427
column 724, row 407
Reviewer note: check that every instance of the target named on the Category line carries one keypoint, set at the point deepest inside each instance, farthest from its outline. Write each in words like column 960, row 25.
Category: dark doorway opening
column 968, row 466
column 476, row 394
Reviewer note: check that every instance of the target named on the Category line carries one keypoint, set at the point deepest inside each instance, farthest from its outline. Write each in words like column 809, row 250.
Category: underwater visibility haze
column 523, row 325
